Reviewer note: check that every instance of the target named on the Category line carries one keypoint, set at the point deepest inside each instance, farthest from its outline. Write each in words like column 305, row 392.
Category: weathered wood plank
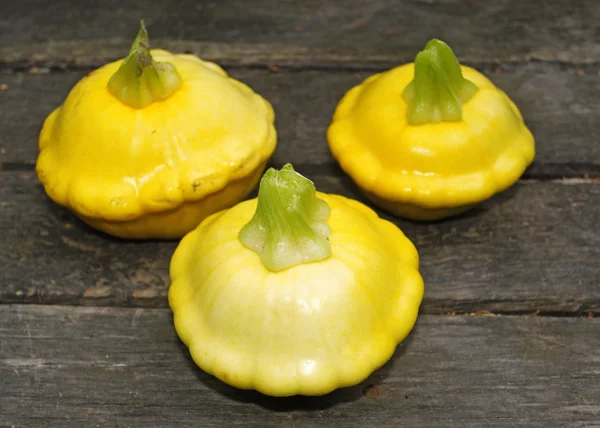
column 72, row 367
column 532, row 248
column 562, row 109
column 312, row 33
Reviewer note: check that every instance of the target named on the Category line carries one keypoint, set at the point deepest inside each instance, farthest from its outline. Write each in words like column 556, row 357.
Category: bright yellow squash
column 148, row 146
column 295, row 292
column 431, row 138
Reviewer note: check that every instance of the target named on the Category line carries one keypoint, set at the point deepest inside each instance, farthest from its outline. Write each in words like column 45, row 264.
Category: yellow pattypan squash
column 431, row 138
column 295, row 292
column 149, row 146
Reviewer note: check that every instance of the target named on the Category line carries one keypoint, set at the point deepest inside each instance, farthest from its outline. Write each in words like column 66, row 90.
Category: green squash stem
column 289, row 226
column 438, row 90
column 140, row 80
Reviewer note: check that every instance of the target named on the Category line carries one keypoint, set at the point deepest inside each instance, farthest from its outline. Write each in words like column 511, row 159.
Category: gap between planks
column 61, row 58
column 552, row 173
column 47, row 66
column 75, row 55
column 160, row 304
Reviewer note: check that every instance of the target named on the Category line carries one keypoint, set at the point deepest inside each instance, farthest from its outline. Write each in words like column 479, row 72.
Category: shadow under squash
column 369, row 388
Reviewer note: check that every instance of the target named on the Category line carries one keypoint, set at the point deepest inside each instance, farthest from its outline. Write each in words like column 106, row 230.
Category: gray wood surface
column 532, row 248
column 361, row 33
column 562, row 109
column 73, row 367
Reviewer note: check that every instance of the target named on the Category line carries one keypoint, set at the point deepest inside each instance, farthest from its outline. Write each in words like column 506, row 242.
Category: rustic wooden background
column 507, row 335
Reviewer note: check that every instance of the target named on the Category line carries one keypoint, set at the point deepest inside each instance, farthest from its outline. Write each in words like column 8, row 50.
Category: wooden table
column 508, row 334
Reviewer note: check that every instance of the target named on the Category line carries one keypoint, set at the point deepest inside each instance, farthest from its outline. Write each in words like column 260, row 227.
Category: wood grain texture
column 309, row 33
column 72, row 367
column 532, row 248
column 561, row 109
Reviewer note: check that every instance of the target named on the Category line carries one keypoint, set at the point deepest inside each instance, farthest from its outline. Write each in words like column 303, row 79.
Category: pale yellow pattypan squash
column 148, row 146
column 431, row 138
column 295, row 292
